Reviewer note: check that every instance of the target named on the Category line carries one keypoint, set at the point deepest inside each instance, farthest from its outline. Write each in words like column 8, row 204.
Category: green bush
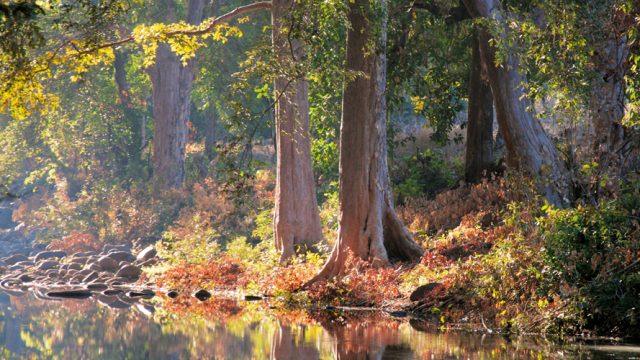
column 593, row 252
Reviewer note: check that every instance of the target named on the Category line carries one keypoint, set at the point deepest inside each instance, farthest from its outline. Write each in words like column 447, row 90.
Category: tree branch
column 261, row 5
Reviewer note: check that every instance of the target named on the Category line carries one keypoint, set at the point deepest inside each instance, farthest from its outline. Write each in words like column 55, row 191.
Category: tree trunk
column 210, row 136
column 172, row 84
column 529, row 148
column 479, row 149
column 296, row 218
column 134, row 149
column 607, row 104
column 369, row 226
column 291, row 345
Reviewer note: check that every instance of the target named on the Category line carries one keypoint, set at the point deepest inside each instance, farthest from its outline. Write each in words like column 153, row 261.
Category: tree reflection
column 225, row 329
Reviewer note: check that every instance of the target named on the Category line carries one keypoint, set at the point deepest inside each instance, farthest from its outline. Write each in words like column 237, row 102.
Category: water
column 225, row 329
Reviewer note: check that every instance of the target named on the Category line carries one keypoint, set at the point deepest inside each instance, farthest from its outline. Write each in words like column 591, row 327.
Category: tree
column 529, row 148
column 479, row 147
column 369, row 226
column 172, row 84
column 296, row 217
column 611, row 64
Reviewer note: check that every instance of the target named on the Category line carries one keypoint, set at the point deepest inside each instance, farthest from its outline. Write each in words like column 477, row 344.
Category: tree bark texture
column 296, row 217
column 607, row 103
column 529, row 148
column 172, row 84
column 479, row 147
column 369, row 226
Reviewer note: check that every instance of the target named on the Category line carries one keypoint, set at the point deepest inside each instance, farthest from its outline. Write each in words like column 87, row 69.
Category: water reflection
column 224, row 329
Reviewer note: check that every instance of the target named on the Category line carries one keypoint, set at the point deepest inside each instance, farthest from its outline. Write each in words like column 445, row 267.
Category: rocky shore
column 112, row 276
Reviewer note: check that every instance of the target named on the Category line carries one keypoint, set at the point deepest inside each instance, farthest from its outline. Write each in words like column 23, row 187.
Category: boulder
column 129, row 272
column 89, row 278
column 146, row 293
column 202, row 295
column 26, row 278
column 121, row 256
column 48, row 264
column 96, row 286
column 111, row 292
column 111, row 247
column 73, row 294
column 108, row 264
column 74, row 266
column 48, row 254
column 147, row 253
column 13, row 259
column 93, row 267
column 5, row 218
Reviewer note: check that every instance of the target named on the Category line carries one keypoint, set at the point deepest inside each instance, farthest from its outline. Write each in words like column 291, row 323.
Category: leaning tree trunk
column 529, row 148
column 296, row 218
column 479, row 147
column 172, row 84
column 369, row 226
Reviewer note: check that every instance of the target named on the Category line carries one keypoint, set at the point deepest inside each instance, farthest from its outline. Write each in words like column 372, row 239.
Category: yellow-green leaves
column 183, row 39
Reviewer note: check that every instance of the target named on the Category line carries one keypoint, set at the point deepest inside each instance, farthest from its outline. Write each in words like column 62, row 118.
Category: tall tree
column 369, row 226
column 529, row 148
column 172, row 84
column 479, row 147
column 296, row 218
column 611, row 63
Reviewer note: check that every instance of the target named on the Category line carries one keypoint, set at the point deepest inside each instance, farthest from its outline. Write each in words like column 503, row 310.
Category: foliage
column 423, row 174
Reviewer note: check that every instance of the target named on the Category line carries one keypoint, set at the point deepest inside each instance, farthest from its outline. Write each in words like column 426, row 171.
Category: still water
column 225, row 329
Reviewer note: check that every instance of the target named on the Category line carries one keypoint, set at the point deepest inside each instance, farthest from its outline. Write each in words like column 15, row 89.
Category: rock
column 202, row 295
column 74, row 294
column 423, row 291
column 147, row 253
column 172, row 294
column 113, row 302
column 89, row 278
column 129, row 272
column 43, row 255
column 93, row 267
column 16, row 268
column 13, row 259
column 146, row 309
column 26, row 278
column 111, row 247
column 107, row 264
column 97, row 286
column 149, row 262
column 5, row 218
column 399, row 313
column 80, row 260
column 25, row 263
column 48, row 264
column 74, row 266
column 121, row 256
column 111, row 292
column 146, row 293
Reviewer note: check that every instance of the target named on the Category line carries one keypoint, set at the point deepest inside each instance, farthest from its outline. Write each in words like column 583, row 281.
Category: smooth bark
column 369, row 226
column 529, row 148
column 296, row 217
column 479, row 146
column 172, row 84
